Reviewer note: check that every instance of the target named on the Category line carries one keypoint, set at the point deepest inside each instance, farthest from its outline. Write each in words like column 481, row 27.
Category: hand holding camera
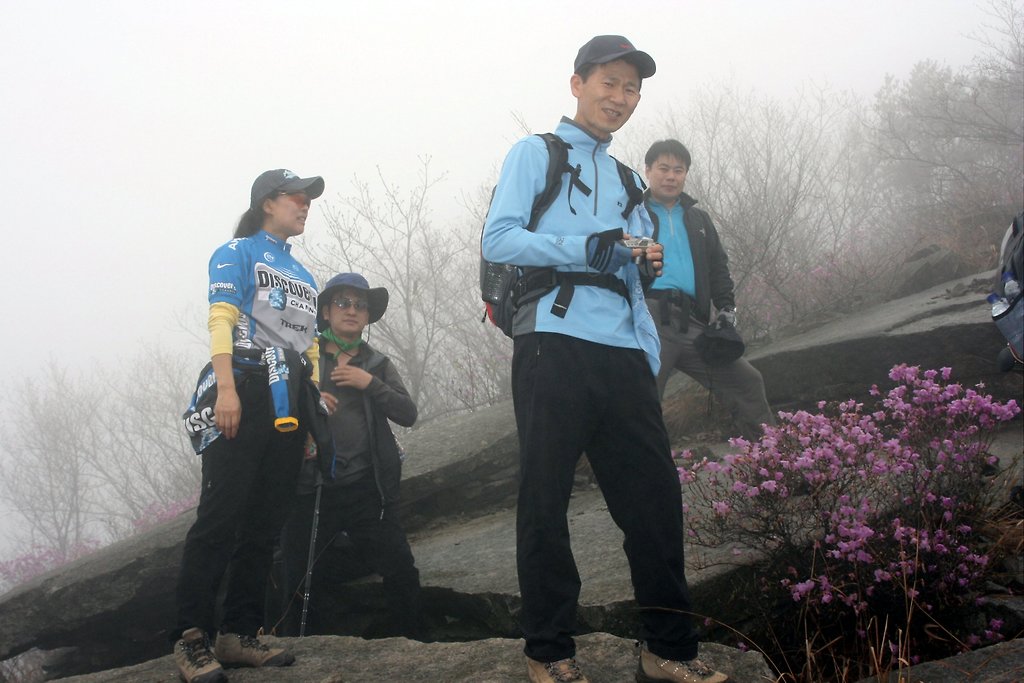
column 650, row 257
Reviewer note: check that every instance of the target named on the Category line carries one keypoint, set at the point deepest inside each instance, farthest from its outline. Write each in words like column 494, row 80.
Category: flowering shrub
column 39, row 560
column 159, row 512
column 865, row 519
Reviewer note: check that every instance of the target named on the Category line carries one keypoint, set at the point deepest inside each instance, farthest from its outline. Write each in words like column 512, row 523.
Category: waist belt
column 536, row 282
column 673, row 297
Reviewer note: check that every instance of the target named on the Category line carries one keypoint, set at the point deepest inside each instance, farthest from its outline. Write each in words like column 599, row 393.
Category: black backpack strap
column 633, row 191
column 558, row 164
column 536, row 282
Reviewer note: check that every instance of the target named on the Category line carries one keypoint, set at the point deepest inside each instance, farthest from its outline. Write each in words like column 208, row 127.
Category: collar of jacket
column 580, row 138
column 685, row 200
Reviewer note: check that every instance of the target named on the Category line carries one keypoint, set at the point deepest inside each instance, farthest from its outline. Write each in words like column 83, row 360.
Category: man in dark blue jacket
column 695, row 277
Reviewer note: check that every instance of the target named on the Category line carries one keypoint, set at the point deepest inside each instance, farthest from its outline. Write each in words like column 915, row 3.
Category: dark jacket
column 386, row 398
column 303, row 401
column 712, row 281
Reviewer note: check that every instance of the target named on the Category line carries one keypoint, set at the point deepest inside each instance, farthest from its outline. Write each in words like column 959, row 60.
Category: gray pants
column 738, row 385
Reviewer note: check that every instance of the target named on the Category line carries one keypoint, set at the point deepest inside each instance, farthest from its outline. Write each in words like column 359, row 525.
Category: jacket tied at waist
column 295, row 400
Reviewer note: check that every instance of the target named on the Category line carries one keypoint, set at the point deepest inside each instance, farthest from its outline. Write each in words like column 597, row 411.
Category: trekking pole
column 312, row 554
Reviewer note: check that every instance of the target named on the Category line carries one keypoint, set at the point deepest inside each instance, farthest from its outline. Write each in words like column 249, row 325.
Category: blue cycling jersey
column 274, row 293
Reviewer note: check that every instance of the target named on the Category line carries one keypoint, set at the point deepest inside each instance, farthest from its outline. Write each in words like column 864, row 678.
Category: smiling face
column 284, row 215
column 607, row 98
column 666, row 178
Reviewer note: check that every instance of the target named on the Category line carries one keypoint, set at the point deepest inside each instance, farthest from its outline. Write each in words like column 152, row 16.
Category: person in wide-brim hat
column 376, row 297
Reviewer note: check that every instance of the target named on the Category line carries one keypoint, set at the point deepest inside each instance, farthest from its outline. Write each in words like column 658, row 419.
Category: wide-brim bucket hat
column 376, row 297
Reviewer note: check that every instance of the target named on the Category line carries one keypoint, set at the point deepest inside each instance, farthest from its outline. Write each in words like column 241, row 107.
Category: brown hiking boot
column 196, row 663
column 651, row 668
column 234, row 650
column 562, row 671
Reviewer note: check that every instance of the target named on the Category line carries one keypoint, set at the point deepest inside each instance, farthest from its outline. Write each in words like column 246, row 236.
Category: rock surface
column 337, row 659
column 111, row 608
column 1000, row 663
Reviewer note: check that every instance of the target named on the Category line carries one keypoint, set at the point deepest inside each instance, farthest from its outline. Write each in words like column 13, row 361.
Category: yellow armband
column 221, row 323
column 313, row 354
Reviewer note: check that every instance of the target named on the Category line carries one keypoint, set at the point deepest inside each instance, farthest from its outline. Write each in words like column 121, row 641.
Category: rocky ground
column 111, row 609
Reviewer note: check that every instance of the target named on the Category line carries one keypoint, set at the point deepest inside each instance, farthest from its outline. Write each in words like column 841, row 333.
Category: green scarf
column 342, row 345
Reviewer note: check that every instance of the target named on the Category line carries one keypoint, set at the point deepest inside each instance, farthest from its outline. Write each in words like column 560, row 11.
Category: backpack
column 1011, row 321
column 505, row 287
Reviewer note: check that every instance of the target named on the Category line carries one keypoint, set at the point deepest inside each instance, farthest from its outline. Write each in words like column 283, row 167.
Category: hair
column 251, row 222
column 586, row 69
column 672, row 148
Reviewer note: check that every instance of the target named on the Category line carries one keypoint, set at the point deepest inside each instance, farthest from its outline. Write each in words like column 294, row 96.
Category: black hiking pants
column 352, row 522
column 248, row 487
column 573, row 396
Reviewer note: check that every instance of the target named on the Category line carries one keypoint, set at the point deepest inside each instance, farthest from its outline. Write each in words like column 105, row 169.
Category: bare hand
column 655, row 257
column 331, row 401
column 227, row 412
column 348, row 376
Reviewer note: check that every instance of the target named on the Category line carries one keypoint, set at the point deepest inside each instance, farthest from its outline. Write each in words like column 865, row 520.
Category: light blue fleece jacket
column 595, row 314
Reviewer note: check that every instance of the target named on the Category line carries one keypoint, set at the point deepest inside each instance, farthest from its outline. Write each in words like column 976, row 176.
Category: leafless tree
column 146, row 460
column 432, row 329
column 949, row 143
column 790, row 195
column 46, row 477
column 90, row 455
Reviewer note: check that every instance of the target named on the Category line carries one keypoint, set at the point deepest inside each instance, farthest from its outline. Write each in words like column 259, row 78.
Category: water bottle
column 1011, row 288
column 999, row 304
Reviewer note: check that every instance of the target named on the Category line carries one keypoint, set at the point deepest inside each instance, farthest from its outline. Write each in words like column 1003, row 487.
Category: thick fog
column 131, row 133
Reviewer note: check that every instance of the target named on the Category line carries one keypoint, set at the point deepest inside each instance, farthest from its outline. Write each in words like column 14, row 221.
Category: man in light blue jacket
column 583, row 379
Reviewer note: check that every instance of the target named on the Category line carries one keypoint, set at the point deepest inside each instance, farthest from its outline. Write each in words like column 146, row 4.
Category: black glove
column 726, row 316
column 605, row 251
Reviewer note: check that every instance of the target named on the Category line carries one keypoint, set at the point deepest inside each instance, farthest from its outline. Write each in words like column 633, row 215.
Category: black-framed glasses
column 345, row 302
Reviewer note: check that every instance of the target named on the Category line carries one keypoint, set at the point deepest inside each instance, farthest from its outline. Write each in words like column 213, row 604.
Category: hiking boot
column 651, row 668
column 562, row 671
column 196, row 663
column 234, row 650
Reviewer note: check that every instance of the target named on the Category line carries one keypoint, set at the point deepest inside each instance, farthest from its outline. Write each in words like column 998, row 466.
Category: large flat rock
column 334, row 659
column 945, row 326
column 458, row 497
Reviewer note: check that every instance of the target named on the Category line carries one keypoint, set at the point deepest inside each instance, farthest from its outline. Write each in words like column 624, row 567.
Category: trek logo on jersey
column 293, row 326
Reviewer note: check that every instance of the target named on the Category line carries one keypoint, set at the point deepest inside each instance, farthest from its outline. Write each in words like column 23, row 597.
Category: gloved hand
column 726, row 316
column 605, row 253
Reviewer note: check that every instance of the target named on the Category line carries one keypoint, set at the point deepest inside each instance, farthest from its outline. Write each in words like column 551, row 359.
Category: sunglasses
column 300, row 198
column 345, row 302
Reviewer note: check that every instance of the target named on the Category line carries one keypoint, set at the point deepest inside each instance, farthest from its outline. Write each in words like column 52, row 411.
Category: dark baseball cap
column 283, row 180
column 604, row 49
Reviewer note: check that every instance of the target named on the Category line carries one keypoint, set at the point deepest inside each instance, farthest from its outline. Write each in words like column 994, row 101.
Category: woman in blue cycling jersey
column 262, row 322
